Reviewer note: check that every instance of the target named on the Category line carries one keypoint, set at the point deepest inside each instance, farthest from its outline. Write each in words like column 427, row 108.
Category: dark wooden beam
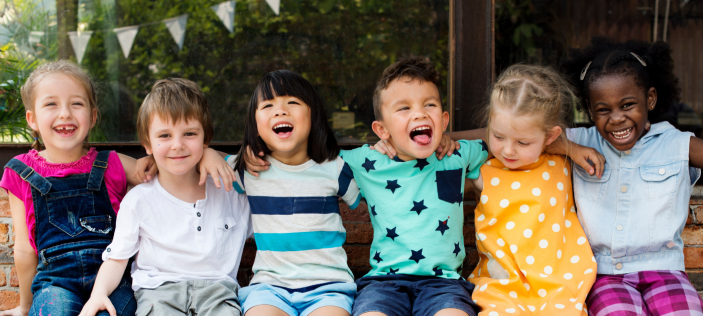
column 472, row 62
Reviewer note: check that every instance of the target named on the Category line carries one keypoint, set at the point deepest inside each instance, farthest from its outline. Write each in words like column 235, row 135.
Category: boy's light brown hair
column 174, row 99
column 411, row 68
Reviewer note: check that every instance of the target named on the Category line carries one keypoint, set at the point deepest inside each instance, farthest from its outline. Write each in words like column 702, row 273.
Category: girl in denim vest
column 635, row 212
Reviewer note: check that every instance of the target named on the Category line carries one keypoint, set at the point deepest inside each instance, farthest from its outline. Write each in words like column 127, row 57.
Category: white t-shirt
column 177, row 241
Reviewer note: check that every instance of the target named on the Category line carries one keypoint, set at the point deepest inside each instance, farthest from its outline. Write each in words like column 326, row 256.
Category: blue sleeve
column 238, row 183
column 348, row 190
column 474, row 153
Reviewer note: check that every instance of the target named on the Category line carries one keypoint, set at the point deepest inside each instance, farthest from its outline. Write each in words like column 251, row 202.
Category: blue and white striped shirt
column 297, row 225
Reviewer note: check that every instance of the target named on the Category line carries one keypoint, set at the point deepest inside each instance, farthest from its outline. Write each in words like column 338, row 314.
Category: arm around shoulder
column 695, row 152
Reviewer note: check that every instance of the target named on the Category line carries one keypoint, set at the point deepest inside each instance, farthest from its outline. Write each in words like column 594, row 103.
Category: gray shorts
column 192, row 297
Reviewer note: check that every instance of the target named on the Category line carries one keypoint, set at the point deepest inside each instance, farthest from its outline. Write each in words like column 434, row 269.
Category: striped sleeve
column 348, row 190
column 238, row 184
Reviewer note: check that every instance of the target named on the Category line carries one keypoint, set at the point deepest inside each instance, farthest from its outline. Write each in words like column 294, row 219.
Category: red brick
column 695, row 201
column 469, row 234
column 357, row 256
column 3, row 278
column 3, row 194
column 14, row 281
column 9, row 299
column 690, row 220
column 5, row 207
column 248, row 256
column 244, row 276
column 360, row 214
column 692, row 235
column 469, row 208
column 6, row 255
column 359, row 233
column 4, row 230
column 693, row 257
column 698, row 214
column 470, row 262
column 696, row 278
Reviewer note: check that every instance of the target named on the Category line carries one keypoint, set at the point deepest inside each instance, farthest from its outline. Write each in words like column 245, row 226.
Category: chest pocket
column 661, row 180
column 69, row 209
column 225, row 235
column 310, row 211
column 449, row 186
column 590, row 187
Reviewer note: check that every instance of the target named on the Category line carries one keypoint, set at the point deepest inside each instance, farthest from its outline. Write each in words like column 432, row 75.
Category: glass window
column 341, row 46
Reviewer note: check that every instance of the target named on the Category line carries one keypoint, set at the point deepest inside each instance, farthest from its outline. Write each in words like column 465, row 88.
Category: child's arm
column 211, row 163
column 25, row 258
column 108, row 279
column 695, row 152
column 446, row 147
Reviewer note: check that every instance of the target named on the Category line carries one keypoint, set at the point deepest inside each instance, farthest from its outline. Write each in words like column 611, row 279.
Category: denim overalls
column 74, row 223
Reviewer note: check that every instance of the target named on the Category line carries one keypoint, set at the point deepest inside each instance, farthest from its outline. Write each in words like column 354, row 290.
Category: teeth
column 622, row 134
column 282, row 125
column 421, row 128
column 65, row 128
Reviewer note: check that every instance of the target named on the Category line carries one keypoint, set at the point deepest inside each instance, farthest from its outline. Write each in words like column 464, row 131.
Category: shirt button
column 198, row 228
column 627, row 152
column 619, row 227
column 623, row 189
column 662, row 171
column 226, row 227
column 198, row 214
column 618, row 266
column 108, row 249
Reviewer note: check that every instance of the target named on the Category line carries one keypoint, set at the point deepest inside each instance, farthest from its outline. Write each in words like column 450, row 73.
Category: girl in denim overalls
column 64, row 199
column 635, row 212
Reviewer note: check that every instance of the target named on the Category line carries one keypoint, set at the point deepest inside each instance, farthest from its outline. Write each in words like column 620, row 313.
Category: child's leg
column 55, row 301
column 615, row 295
column 444, row 297
column 330, row 311
column 264, row 300
column 167, row 299
column 267, row 310
column 214, row 298
column 382, row 298
column 669, row 293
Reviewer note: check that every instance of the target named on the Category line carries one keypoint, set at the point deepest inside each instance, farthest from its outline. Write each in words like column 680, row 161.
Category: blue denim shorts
column 298, row 302
column 406, row 295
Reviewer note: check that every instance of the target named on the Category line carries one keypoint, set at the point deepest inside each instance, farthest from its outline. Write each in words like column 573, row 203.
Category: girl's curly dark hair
column 608, row 57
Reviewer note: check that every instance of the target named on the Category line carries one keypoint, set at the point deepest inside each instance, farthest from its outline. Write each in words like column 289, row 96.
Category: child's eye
column 431, row 104
column 403, row 108
column 293, row 102
column 192, row 134
column 523, row 143
column 164, row 135
column 267, row 106
column 628, row 105
column 50, row 104
column 496, row 136
column 77, row 103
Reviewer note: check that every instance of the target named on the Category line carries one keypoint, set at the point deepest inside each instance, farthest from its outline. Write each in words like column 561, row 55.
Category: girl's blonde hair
column 529, row 90
column 64, row 67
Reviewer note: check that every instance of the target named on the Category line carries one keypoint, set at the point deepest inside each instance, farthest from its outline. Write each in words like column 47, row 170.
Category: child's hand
column 212, row 163
column 17, row 311
column 446, row 146
column 254, row 163
column 145, row 168
column 384, row 148
column 96, row 304
column 581, row 155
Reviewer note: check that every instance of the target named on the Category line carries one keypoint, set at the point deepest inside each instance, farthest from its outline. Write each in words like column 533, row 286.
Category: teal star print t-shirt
column 416, row 208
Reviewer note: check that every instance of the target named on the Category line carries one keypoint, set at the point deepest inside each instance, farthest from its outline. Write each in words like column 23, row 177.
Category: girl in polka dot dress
column 534, row 255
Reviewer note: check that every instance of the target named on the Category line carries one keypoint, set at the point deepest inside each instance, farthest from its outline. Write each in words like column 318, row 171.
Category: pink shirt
column 115, row 180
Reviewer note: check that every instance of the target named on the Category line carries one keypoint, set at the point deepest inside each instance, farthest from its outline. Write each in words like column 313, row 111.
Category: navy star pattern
column 416, row 256
column 392, row 271
column 457, row 249
column 421, row 163
column 373, row 210
column 377, row 257
column 391, row 233
column 458, row 270
column 437, row 271
column 418, row 207
column 442, row 226
column 392, row 185
column 368, row 165
column 456, row 152
column 484, row 147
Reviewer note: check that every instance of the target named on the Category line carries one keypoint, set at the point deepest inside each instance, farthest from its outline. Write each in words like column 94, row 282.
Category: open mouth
column 283, row 130
column 421, row 134
column 623, row 134
column 65, row 130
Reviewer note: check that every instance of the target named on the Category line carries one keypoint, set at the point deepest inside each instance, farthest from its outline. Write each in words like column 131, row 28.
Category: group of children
column 608, row 245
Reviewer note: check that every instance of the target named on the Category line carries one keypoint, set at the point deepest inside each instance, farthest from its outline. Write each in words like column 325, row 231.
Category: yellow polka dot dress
column 534, row 258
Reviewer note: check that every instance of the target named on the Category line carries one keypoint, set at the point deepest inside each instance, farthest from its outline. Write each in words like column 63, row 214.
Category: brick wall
column 359, row 236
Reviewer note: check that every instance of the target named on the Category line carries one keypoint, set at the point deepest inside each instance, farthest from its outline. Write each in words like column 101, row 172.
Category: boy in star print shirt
column 415, row 200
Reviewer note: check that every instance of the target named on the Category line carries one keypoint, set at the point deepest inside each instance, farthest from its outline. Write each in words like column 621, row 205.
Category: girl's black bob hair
column 322, row 145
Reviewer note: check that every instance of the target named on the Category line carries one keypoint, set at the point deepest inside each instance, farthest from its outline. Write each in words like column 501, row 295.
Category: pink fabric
column 115, row 179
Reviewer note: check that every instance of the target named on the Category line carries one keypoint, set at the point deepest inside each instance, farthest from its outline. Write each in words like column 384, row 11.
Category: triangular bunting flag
column 177, row 27
column 79, row 41
column 225, row 11
column 126, row 35
column 275, row 5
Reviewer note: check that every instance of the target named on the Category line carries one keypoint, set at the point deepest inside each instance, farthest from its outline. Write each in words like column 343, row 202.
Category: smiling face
column 517, row 141
column 176, row 148
column 62, row 113
column 413, row 119
column 283, row 123
column 620, row 108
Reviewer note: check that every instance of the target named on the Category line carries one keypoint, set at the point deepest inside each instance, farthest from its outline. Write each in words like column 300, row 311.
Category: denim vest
column 72, row 213
column 635, row 213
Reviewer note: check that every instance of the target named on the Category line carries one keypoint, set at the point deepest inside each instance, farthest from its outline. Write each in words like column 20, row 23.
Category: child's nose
column 65, row 112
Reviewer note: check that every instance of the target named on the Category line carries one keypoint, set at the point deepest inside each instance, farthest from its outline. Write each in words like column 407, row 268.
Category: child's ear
column 552, row 135
column 148, row 149
column 445, row 121
column 651, row 98
column 31, row 120
column 94, row 115
column 380, row 130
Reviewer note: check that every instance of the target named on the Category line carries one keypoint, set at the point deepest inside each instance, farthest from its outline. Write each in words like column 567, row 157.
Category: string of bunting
column 176, row 26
